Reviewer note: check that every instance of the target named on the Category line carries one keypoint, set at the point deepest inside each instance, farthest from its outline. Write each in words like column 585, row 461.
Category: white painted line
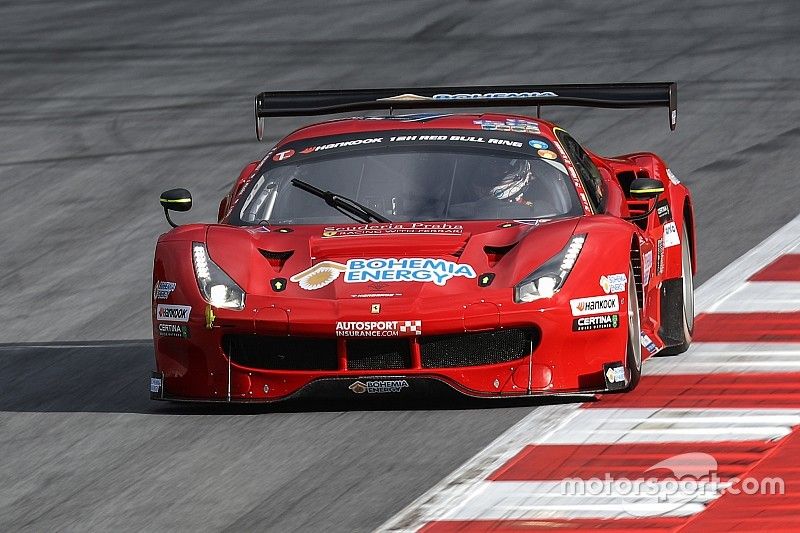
column 468, row 479
column 576, row 498
column 728, row 281
column 763, row 297
column 723, row 357
column 469, row 496
column 608, row 426
column 459, row 485
column 712, row 367
column 75, row 345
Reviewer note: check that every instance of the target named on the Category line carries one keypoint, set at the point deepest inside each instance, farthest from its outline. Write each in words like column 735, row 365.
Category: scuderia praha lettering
column 406, row 269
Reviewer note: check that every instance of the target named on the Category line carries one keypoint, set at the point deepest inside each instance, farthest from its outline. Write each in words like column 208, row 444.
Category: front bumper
column 201, row 367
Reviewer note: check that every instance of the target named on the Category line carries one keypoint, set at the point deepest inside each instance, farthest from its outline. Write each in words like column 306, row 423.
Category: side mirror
column 175, row 200
column 646, row 188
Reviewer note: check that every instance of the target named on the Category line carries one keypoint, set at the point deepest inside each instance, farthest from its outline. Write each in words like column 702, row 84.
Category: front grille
column 473, row 349
column 440, row 351
column 281, row 353
column 377, row 354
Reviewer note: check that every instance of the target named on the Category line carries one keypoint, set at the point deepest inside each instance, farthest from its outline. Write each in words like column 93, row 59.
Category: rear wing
column 609, row 95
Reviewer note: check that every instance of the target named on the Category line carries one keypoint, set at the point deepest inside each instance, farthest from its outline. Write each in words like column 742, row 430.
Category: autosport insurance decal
column 421, row 269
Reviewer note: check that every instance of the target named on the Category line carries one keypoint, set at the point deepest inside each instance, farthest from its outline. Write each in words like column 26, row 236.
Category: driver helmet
column 514, row 182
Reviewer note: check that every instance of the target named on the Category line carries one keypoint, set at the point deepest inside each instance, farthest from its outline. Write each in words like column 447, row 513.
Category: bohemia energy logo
column 378, row 386
column 437, row 271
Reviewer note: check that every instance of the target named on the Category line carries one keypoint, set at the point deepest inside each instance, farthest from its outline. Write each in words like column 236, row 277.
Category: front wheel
column 679, row 303
column 633, row 358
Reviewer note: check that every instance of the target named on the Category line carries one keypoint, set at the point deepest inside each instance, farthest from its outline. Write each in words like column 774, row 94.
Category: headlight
column 546, row 280
column 216, row 286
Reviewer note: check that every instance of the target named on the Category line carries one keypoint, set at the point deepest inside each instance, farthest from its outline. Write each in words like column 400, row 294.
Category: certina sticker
column 422, row 269
column 613, row 283
column 379, row 386
column 589, row 323
column 379, row 328
column 671, row 235
column 511, row 124
column 647, row 267
column 660, row 256
column 173, row 330
column 463, row 96
column 163, row 289
column 411, row 228
column 173, row 313
column 595, row 305
column 672, row 177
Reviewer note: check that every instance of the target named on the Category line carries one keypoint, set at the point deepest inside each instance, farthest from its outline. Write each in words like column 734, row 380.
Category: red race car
column 488, row 253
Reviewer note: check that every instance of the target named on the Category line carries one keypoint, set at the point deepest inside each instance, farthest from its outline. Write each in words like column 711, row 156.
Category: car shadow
column 113, row 377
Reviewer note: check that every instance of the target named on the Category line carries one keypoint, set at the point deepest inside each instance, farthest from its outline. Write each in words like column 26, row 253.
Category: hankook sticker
column 173, row 313
column 594, row 305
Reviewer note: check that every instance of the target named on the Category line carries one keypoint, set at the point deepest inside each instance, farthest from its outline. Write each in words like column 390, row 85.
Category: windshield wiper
column 343, row 204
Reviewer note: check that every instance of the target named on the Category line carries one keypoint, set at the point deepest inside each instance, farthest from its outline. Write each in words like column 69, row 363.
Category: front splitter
column 372, row 387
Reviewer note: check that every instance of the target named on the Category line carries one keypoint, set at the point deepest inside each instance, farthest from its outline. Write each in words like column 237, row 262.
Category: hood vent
column 276, row 259
column 495, row 253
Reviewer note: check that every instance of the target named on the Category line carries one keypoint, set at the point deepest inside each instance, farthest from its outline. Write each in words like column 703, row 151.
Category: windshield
column 413, row 176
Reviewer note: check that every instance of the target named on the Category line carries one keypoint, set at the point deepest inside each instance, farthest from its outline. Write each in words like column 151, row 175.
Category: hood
column 410, row 259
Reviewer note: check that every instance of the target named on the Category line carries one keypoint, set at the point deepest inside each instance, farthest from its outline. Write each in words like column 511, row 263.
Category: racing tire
column 681, row 293
column 633, row 357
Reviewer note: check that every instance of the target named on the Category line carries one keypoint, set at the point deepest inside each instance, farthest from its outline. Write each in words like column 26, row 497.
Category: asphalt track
column 103, row 106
